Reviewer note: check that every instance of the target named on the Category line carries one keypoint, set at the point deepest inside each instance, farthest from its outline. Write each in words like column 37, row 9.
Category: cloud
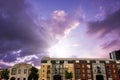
column 110, row 23
column 110, row 26
column 59, row 24
column 22, row 35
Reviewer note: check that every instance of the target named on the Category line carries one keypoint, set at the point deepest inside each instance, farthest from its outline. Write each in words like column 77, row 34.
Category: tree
column 33, row 74
column 5, row 74
column 68, row 75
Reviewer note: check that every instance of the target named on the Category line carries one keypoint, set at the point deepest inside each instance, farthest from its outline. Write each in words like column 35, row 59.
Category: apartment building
column 81, row 69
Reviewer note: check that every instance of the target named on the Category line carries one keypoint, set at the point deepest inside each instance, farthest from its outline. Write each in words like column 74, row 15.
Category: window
column 43, row 66
column 43, row 75
column 66, row 66
column 18, row 79
column 48, row 66
column 13, row 72
column 65, row 62
column 57, row 62
column 113, row 66
column 25, row 71
column 92, row 61
column 77, row 61
column 48, row 72
column 88, row 71
column 88, row 66
column 71, row 61
column 83, row 66
column 19, row 71
column 119, row 76
column 48, row 61
column 83, row 61
column 83, row 71
column 83, row 75
column 78, row 76
column 24, row 78
column 112, row 62
column 114, row 71
column 89, row 75
column 77, row 66
column 77, row 70
column 61, row 62
column 102, row 61
column 43, row 61
column 53, row 61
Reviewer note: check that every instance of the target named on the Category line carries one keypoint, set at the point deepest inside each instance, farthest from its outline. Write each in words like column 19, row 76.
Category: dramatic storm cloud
column 32, row 29
column 23, row 38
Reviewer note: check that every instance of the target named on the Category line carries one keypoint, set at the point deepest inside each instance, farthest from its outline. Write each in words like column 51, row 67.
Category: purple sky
column 32, row 29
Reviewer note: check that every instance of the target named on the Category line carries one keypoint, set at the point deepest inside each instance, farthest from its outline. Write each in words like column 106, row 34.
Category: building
column 115, row 55
column 81, row 69
column 19, row 71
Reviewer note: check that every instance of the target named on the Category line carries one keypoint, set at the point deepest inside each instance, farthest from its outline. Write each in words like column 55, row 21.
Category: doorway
column 99, row 77
column 12, row 78
column 57, row 77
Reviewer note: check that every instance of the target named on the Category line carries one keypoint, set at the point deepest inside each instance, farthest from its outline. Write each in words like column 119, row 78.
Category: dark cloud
column 109, row 26
column 18, row 31
column 21, row 30
column 110, row 23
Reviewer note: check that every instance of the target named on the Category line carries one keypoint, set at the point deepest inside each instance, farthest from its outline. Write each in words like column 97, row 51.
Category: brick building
column 81, row 68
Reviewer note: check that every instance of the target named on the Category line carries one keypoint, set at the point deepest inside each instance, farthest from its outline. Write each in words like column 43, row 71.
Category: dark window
column 77, row 76
column 77, row 71
column 77, row 66
column 18, row 79
column 24, row 78
column 71, row 61
column 112, row 62
column 119, row 76
column 43, row 61
column 43, row 65
column 119, row 71
column 61, row 62
column 48, row 67
column 102, row 61
column 83, row 61
column 53, row 62
column 48, row 72
column 57, row 77
column 92, row 61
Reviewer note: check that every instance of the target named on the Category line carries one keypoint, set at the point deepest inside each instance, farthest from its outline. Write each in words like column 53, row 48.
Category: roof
column 49, row 58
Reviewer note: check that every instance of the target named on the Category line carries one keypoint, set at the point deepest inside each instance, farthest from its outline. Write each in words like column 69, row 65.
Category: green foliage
column 68, row 75
column 5, row 74
column 33, row 74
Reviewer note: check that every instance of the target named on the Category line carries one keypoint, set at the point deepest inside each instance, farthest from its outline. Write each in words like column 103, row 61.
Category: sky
column 33, row 29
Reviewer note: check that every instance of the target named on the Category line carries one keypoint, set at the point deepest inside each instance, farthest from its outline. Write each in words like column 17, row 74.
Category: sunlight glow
column 59, row 50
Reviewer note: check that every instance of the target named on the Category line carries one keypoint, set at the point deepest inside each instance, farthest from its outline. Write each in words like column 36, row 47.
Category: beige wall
column 43, row 71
